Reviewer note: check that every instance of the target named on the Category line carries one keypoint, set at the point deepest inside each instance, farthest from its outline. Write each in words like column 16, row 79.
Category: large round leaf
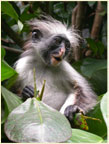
column 80, row 136
column 33, row 121
column 103, row 106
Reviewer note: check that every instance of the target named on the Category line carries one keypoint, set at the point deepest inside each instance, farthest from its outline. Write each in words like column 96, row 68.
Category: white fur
column 60, row 80
column 56, row 27
column 70, row 101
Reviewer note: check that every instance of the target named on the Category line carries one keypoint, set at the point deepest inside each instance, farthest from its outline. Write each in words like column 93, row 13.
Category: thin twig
column 12, row 49
column 7, row 41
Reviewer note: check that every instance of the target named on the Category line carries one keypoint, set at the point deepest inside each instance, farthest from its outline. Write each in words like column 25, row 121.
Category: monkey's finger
column 29, row 88
column 27, row 95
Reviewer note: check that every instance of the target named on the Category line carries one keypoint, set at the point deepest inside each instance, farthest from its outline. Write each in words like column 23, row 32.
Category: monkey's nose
column 62, row 52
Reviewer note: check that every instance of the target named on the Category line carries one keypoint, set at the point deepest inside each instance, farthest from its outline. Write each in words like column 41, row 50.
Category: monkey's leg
column 28, row 92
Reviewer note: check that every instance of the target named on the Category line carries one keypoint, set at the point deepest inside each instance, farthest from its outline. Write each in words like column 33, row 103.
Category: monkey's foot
column 71, row 110
column 28, row 92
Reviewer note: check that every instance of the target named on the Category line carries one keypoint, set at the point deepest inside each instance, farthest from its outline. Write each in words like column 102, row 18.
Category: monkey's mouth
column 57, row 58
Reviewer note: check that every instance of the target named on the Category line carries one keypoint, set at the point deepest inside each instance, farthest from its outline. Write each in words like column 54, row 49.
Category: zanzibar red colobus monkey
column 47, row 48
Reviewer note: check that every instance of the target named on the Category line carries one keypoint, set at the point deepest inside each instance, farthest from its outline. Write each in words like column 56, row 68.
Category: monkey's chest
column 54, row 97
column 54, row 94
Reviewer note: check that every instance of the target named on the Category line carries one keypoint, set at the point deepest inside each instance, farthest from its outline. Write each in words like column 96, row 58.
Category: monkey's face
column 53, row 48
column 59, row 48
column 52, row 40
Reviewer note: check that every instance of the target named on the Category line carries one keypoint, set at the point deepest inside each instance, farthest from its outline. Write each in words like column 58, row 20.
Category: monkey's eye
column 67, row 44
column 57, row 40
column 36, row 34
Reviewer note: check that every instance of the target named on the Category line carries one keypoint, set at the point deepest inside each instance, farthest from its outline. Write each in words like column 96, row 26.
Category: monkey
column 47, row 49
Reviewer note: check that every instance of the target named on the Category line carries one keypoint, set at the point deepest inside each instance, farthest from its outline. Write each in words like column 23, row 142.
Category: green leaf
column 99, row 81
column 96, row 47
column 11, row 99
column 4, row 112
column 92, row 45
column 103, row 106
column 101, row 47
column 92, row 65
column 3, row 53
column 80, row 121
column 80, row 136
column 7, row 8
column 20, row 25
column 34, row 121
column 96, row 127
column 10, row 82
column 59, row 9
column 6, row 71
column 91, row 3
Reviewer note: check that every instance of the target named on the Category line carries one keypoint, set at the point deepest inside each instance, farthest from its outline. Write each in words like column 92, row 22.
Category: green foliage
column 7, row 8
column 80, row 136
column 103, row 106
column 12, row 100
column 91, row 3
column 95, row 70
column 99, row 81
column 90, row 66
column 97, row 127
column 20, row 25
column 3, row 53
column 59, row 9
column 93, row 67
column 80, row 121
column 6, row 71
column 96, row 47
column 33, row 121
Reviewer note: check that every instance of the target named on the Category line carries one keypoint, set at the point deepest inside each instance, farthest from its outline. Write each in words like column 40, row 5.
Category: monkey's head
column 51, row 40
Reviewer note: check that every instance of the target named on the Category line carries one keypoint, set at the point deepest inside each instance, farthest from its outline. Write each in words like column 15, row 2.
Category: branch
column 11, row 33
column 78, row 19
column 7, row 41
column 12, row 49
column 74, row 13
column 81, row 13
column 97, row 22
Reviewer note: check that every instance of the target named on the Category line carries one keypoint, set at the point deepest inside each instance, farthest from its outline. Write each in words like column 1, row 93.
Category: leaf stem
column 42, row 91
column 86, row 117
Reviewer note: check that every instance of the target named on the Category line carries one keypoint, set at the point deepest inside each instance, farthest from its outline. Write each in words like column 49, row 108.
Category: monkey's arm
column 82, row 97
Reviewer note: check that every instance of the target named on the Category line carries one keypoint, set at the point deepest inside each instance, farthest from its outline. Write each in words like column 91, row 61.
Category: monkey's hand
column 28, row 92
column 71, row 110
